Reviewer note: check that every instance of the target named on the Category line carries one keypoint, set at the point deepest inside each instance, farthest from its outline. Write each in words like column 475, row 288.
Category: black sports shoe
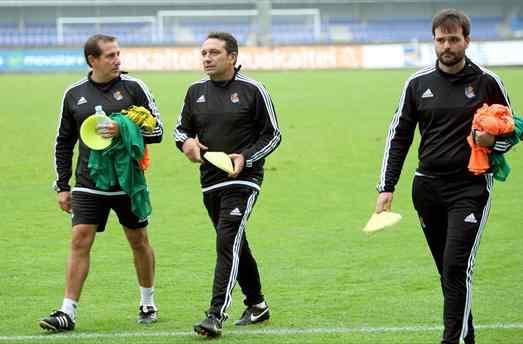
column 253, row 315
column 210, row 326
column 147, row 314
column 57, row 321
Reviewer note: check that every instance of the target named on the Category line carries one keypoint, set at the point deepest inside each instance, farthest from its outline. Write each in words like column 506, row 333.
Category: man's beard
column 450, row 62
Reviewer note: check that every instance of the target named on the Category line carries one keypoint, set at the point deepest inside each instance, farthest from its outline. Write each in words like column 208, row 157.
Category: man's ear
column 91, row 59
column 234, row 56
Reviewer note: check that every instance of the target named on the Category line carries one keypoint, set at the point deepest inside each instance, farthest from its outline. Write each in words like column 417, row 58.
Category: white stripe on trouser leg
column 472, row 259
column 236, row 254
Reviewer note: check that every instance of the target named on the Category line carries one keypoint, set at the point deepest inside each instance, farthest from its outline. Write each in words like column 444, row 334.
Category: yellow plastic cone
column 378, row 222
column 90, row 136
column 220, row 160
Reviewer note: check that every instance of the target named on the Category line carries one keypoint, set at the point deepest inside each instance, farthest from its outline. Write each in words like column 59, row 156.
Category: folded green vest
column 117, row 165
column 500, row 166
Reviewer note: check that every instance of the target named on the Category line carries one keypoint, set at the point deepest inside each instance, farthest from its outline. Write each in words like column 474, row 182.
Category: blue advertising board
column 41, row 60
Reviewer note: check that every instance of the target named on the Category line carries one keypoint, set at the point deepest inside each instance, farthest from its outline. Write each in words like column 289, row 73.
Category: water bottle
column 101, row 122
column 99, row 110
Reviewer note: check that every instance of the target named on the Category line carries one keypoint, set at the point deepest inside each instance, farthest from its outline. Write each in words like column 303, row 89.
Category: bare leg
column 143, row 255
column 78, row 264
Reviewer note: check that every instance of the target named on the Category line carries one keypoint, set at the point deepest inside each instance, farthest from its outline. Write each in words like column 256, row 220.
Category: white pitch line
column 261, row 331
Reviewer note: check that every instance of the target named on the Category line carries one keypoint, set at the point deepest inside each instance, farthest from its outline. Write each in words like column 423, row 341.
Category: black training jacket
column 236, row 116
column 78, row 103
column 443, row 105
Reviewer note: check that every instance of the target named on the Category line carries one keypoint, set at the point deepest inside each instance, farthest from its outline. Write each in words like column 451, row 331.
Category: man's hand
column 108, row 129
column 384, row 202
column 238, row 162
column 192, row 150
column 499, row 144
column 64, row 201
column 483, row 139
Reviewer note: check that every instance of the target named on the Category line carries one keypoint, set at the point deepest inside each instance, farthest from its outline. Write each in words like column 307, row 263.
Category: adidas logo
column 427, row 94
column 81, row 101
column 201, row 99
column 471, row 218
column 236, row 212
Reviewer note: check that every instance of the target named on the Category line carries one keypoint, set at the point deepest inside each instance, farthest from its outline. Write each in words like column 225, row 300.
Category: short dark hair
column 91, row 46
column 450, row 19
column 231, row 45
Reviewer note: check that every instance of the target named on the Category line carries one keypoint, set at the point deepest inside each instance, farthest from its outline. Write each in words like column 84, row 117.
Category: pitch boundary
column 259, row 331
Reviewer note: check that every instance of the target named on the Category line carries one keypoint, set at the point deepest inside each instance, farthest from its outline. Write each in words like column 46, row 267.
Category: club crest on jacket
column 235, row 98
column 118, row 95
column 469, row 92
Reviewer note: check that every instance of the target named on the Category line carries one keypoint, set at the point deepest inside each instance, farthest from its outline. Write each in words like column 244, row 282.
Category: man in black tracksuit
column 452, row 203
column 105, row 85
column 229, row 112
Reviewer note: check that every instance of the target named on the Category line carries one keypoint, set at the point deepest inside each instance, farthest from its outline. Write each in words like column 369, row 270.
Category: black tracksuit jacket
column 78, row 103
column 443, row 105
column 236, row 116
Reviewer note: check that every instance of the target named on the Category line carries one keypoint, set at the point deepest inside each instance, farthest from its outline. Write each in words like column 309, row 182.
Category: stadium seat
column 286, row 30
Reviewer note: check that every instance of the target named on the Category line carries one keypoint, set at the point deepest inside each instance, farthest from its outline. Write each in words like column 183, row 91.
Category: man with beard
column 452, row 203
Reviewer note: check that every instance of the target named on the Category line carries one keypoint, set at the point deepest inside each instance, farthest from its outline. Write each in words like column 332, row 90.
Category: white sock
column 69, row 307
column 147, row 296
column 261, row 305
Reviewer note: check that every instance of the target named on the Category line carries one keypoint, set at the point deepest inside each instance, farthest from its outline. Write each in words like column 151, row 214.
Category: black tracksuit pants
column 229, row 210
column 453, row 213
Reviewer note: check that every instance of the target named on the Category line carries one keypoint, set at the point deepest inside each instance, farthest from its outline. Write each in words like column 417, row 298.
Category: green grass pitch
column 326, row 281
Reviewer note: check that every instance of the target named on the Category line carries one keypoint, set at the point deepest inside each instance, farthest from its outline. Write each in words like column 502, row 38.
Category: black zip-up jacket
column 236, row 116
column 443, row 105
column 77, row 104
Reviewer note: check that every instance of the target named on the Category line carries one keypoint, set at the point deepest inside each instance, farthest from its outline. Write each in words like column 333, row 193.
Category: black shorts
column 90, row 208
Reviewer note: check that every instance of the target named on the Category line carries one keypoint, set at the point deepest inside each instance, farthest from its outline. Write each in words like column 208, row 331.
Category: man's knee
column 454, row 274
column 138, row 239
column 83, row 237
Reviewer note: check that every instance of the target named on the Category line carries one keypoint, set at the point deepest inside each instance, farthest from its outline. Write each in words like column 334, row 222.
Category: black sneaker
column 147, row 314
column 57, row 322
column 253, row 315
column 210, row 326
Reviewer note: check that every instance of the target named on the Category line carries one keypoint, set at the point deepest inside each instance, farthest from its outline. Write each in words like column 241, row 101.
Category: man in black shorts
column 107, row 86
